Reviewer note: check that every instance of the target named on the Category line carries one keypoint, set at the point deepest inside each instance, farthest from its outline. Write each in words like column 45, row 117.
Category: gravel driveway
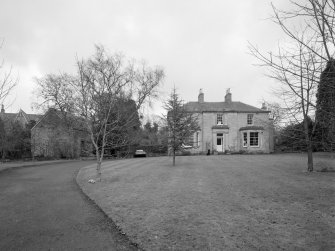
column 42, row 208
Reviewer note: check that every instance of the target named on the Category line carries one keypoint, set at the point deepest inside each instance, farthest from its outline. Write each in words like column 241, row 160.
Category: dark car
column 140, row 153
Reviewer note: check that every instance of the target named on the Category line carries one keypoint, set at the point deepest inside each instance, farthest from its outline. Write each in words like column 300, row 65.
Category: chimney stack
column 264, row 106
column 201, row 97
column 227, row 98
column 2, row 109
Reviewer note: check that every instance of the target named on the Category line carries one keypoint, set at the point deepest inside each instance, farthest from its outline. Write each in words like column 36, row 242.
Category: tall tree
column 325, row 109
column 98, row 93
column 181, row 124
column 14, row 139
column 3, row 139
column 7, row 82
column 149, row 135
column 298, row 63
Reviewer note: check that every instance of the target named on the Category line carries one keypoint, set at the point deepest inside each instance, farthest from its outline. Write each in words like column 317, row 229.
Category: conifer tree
column 325, row 109
column 181, row 123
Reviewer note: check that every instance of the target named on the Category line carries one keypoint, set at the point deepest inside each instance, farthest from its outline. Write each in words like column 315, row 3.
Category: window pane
column 245, row 139
column 249, row 119
column 219, row 120
column 197, row 139
column 253, row 138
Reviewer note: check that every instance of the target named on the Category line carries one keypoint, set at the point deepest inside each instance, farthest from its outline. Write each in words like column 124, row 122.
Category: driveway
column 42, row 208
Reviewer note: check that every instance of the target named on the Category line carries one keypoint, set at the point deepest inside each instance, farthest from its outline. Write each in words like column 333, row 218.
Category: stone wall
column 51, row 137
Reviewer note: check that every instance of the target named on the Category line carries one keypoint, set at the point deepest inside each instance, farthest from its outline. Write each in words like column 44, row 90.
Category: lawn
column 222, row 202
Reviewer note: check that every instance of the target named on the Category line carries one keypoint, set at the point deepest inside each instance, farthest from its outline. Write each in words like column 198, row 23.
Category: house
column 231, row 126
column 58, row 135
column 15, row 133
column 23, row 118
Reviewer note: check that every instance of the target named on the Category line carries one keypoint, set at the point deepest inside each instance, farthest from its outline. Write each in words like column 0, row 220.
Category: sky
column 201, row 44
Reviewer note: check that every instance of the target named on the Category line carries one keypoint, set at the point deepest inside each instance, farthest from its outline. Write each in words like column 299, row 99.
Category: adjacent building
column 231, row 126
column 21, row 117
column 56, row 135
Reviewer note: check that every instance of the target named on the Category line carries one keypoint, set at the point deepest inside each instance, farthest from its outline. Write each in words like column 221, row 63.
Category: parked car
column 140, row 153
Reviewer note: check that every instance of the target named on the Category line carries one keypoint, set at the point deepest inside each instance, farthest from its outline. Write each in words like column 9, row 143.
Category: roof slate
column 71, row 120
column 221, row 107
column 21, row 113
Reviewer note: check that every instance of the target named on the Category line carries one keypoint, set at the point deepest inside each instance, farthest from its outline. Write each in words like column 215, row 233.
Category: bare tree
column 298, row 63
column 56, row 90
column 181, row 124
column 98, row 95
column 7, row 82
column 277, row 114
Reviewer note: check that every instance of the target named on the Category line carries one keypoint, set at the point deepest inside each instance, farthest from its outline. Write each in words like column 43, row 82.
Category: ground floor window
column 250, row 139
column 197, row 139
column 253, row 139
column 245, row 139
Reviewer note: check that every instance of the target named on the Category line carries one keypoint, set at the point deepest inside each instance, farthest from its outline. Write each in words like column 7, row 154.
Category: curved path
column 42, row 208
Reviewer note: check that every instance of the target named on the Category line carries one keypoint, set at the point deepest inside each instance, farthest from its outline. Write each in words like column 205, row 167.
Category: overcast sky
column 200, row 44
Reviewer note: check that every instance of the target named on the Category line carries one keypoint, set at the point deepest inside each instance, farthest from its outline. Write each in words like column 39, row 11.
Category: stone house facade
column 231, row 126
column 57, row 136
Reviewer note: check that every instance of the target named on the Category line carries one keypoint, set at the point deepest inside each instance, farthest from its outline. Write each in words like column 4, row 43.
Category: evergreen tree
column 325, row 109
column 180, row 123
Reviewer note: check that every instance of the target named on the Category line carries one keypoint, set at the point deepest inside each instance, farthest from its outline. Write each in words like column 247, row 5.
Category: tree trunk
column 174, row 157
column 309, row 147
column 98, row 173
column 98, row 178
column 310, row 158
column 3, row 155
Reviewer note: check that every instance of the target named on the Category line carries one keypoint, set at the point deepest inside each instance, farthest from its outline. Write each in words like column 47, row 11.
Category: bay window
column 250, row 139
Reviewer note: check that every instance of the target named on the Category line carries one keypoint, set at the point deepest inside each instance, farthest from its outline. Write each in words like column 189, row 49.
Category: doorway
column 219, row 142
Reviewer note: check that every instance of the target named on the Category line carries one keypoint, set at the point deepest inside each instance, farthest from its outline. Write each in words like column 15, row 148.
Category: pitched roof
column 71, row 120
column 20, row 116
column 222, row 107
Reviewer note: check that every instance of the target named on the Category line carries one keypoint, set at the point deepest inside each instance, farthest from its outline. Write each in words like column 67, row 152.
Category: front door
column 219, row 142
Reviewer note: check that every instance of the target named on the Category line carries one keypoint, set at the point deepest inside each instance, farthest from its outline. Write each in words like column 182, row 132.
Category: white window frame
column 258, row 139
column 250, row 119
column 245, row 139
column 219, row 115
column 197, row 139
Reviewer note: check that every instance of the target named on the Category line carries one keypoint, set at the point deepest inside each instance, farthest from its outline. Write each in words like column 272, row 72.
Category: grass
column 232, row 202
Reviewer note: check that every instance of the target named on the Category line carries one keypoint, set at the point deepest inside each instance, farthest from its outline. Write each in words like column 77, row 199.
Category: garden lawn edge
column 7, row 167
column 81, row 187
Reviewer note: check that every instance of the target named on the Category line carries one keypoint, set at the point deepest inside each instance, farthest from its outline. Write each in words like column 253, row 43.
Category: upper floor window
column 250, row 118
column 219, row 119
